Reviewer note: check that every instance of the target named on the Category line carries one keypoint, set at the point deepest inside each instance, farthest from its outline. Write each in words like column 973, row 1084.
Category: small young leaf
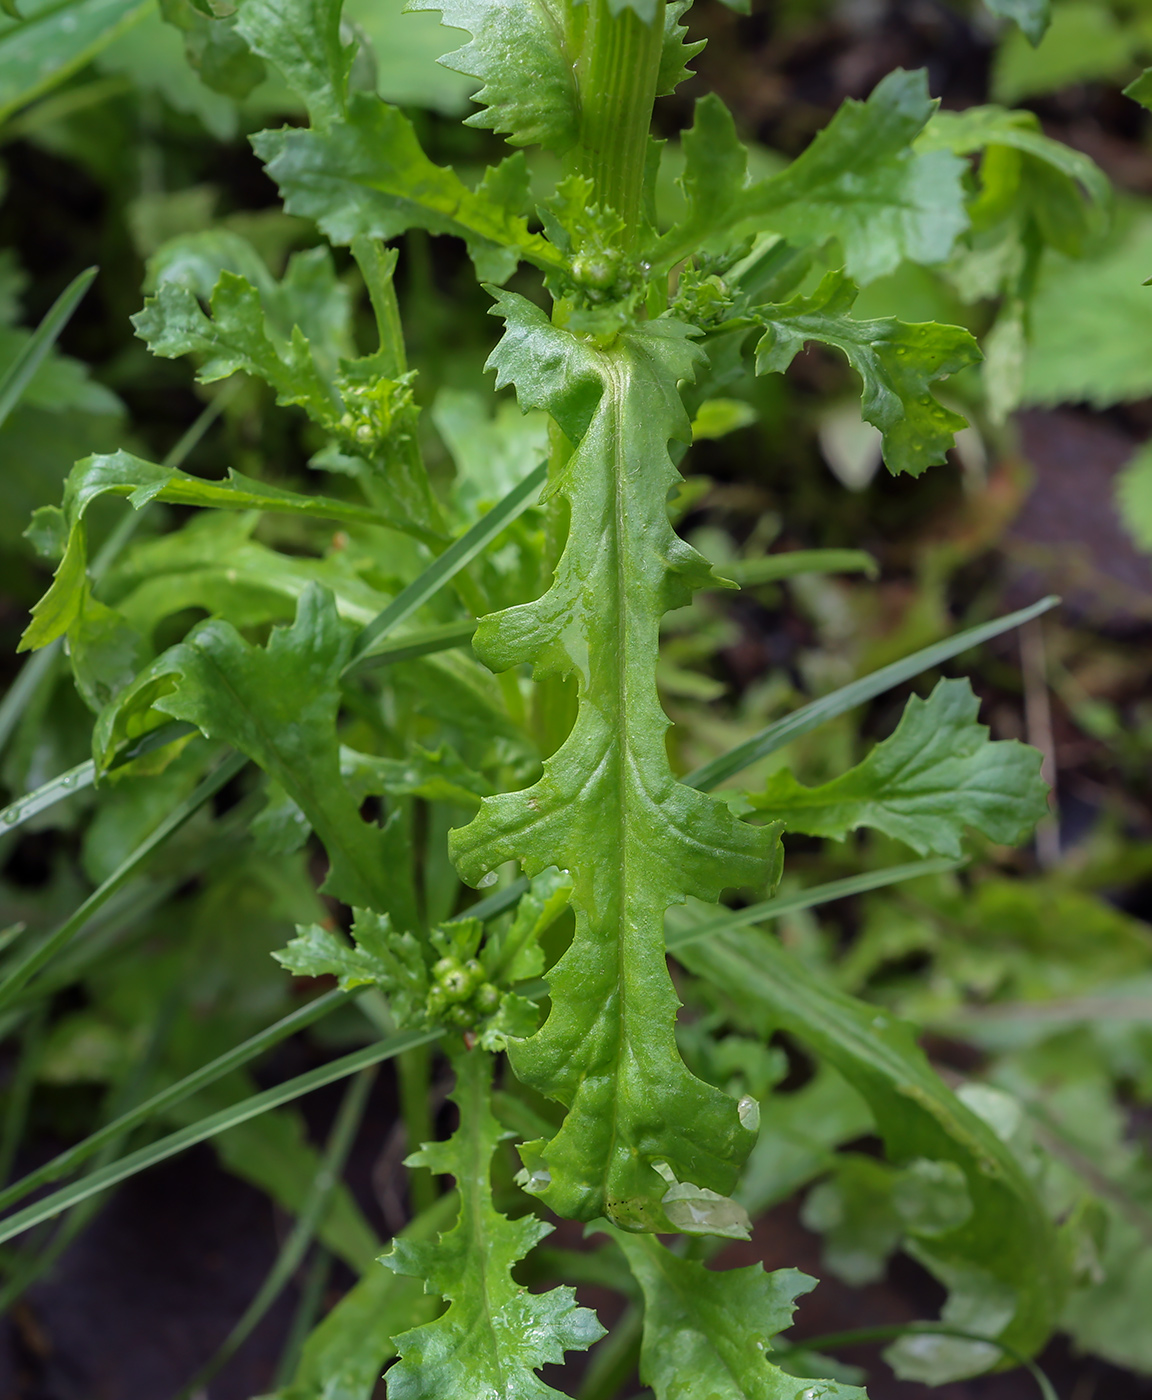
column 235, row 338
column 302, row 38
column 935, row 776
column 321, row 952
column 709, row 1332
column 896, row 361
column 494, row 1335
column 1140, row 89
column 508, row 42
column 608, row 807
column 1033, row 16
column 714, row 178
column 214, row 49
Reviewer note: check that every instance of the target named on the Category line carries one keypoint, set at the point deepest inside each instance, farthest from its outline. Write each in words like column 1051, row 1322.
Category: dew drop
column 487, row 881
column 749, row 1111
column 12, row 816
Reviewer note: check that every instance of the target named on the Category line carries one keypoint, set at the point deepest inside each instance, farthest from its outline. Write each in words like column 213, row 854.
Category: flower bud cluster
column 460, row 995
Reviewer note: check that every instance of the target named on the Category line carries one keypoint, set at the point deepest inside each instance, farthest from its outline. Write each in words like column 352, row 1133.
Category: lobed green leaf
column 935, row 776
column 709, row 1332
column 1033, row 16
column 895, row 361
column 279, row 705
column 302, row 38
column 608, row 807
column 121, row 474
column 368, row 175
column 861, row 181
column 494, row 1335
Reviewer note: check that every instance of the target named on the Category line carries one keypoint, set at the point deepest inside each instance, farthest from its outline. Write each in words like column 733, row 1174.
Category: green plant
column 626, row 327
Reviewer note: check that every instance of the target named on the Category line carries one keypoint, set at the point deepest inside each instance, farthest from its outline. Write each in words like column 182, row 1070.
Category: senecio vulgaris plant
column 562, row 759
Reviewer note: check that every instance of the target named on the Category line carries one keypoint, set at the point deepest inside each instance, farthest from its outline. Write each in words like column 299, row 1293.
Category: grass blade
column 176, row 1093
column 808, row 717
column 28, row 361
column 448, row 565
column 74, row 780
column 34, row 671
column 47, row 949
column 206, row 1128
column 216, row 1069
column 294, row 1248
column 485, row 909
column 808, row 899
column 53, row 791
column 422, row 643
column 750, row 572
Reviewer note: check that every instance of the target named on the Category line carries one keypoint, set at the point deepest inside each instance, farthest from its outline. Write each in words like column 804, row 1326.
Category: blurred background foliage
column 124, row 132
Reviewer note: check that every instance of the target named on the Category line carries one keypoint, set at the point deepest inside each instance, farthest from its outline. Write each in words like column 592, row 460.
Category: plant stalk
column 616, row 73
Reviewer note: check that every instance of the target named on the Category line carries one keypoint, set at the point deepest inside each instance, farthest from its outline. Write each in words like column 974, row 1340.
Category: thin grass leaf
column 485, row 909
column 49, row 947
column 41, row 1259
column 808, row 717
column 412, row 644
column 749, row 572
column 292, row 1251
column 28, row 361
column 680, row 934
column 216, row 1069
column 54, row 790
column 447, row 566
column 32, row 675
column 176, row 1093
column 209, row 1127
column 20, row 1091
column 312, row 1292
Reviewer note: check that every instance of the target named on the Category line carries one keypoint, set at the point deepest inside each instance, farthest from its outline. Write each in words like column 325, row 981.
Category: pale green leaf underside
column 935, row 776
column 494, row 1335
column 860, row 181
column 608, row 807
column 708, row 1332
column 895, row 361
column 976, row 128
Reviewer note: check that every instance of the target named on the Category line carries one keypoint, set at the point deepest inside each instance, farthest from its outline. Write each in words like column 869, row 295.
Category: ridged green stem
column 616, row 72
